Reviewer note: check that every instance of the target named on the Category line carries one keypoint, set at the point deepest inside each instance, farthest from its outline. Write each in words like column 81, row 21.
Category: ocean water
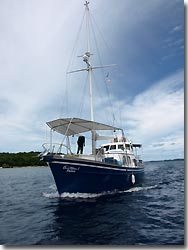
column 32, row 213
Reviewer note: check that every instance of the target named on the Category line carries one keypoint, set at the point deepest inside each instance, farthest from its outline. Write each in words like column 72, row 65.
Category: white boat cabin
column 120, row 152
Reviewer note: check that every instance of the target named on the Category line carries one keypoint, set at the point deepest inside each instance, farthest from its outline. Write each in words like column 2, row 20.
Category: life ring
column 133, row 179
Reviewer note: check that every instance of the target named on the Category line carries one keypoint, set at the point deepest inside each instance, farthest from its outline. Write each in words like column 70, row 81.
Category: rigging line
column 102, row 70
column 83, row 96
column 108, row 50
column 64, row 101
column 99, row 93
column 76, row 42
column 65, row 97
column 97, row 86
column 101, row 34
column 106, row 84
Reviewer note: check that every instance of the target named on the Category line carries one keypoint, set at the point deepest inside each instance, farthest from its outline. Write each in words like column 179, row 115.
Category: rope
column 102, row 69
column 76, row 43
column 83, row 97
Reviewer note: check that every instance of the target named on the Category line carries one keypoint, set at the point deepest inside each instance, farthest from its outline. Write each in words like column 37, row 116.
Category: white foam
column 76, row 195
column 92, row 195
column 51, row 195
column 137, row 189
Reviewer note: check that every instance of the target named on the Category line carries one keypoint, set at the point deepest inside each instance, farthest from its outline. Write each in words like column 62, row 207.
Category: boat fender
column 133, row 179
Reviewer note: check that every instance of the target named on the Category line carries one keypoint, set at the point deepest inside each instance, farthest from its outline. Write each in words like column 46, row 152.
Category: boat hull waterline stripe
column 97, row 166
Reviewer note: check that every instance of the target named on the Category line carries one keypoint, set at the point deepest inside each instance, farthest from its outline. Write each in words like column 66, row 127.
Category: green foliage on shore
column 21, row 159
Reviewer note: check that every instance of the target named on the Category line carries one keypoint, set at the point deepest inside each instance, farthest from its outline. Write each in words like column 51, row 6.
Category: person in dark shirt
column 81, row 144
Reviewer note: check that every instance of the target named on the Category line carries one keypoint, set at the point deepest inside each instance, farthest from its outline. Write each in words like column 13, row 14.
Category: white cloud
column 176, row 29
column 32, row 35
column 156, row 116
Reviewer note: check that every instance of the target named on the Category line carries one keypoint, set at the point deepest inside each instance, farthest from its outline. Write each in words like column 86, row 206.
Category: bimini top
column 73, row 126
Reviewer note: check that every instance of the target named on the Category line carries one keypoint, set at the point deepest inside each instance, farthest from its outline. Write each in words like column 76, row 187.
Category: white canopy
column 72, row 126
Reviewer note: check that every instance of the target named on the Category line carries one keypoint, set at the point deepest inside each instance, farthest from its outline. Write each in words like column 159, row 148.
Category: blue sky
column 145, row 39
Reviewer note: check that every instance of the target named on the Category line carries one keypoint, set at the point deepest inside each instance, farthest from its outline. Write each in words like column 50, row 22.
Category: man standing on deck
column 81, row 144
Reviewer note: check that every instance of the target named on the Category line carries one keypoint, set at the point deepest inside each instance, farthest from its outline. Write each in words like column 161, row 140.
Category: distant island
column 176, row 159
column 21, row 159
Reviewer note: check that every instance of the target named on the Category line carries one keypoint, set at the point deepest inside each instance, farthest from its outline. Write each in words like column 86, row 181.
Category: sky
column 145, row 92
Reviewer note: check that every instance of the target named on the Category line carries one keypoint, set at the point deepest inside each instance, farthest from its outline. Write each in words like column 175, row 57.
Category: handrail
column 48, row 148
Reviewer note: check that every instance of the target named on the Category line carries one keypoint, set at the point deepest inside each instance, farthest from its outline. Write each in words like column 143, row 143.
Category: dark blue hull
column 84, row 176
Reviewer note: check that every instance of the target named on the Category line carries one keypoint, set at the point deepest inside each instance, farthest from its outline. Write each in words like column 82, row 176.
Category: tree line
column 21, row 159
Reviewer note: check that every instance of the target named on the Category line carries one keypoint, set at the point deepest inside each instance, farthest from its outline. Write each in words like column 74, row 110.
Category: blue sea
column 32, row 213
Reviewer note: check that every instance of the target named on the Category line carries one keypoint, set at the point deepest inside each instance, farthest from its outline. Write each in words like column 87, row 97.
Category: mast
column 86, row 60
column 89, row 69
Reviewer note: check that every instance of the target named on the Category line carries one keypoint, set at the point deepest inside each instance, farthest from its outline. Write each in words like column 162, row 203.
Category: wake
column 92, row 195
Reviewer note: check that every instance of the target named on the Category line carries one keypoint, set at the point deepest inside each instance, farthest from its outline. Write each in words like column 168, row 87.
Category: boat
column 115, row 165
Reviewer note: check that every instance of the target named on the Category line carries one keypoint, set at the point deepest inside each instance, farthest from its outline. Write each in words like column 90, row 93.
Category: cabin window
column 127, row 147
column 121, row 146
column 115, row 139
column 113, row 147
column 135, row 162
column 106, row 148
column 124, row 160
column 129, row 160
